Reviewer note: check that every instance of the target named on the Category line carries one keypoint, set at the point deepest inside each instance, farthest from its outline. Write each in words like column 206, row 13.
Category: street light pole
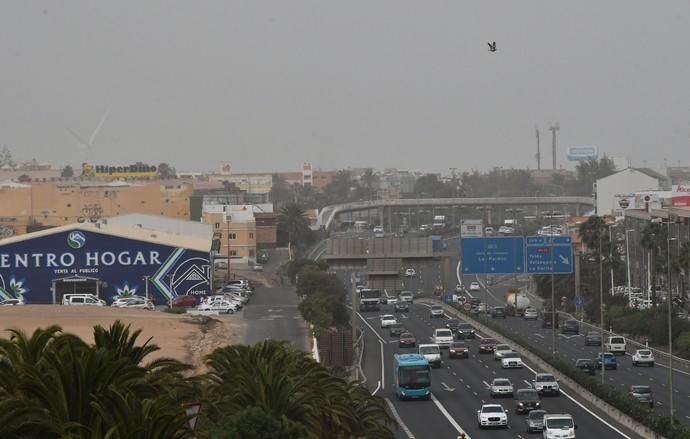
column 601, row 307
column 669, row 303
column 627, row 262
column 146, row 285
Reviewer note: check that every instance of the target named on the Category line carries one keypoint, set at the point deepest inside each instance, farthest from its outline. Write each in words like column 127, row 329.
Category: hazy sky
column 381, row 83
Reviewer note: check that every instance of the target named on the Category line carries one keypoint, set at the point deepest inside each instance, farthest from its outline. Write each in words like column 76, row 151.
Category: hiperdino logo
column 138, row 168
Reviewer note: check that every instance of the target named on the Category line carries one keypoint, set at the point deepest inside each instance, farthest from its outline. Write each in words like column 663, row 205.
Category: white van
column 557, row 426
column 82, row 299
column 616, row 345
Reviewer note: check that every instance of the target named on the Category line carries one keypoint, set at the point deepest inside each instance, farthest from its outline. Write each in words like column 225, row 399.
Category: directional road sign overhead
column 549, row 254
column 496, row 255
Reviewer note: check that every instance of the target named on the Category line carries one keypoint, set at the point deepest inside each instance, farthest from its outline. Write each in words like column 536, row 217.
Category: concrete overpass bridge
column 385, row 209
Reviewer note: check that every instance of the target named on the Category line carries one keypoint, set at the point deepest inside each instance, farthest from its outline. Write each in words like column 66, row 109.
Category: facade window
column 251, row 235
column 232, row 235
column 233, row 252
column 217, row 226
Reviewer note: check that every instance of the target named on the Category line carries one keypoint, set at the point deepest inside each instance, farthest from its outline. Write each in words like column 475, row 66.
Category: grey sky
column 387, row 83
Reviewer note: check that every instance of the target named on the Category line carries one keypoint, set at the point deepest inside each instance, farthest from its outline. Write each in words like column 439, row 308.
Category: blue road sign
column 579, row 300
column 549, row 254
column 496, row 255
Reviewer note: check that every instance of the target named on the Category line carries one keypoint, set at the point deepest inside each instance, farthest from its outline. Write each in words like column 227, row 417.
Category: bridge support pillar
column 489, row 220
column 390, row 218
column 380, row 214
column 577, row 210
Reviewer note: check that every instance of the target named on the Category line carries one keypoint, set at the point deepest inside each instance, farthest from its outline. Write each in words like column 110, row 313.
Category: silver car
column 535, row 421
column 501, row 387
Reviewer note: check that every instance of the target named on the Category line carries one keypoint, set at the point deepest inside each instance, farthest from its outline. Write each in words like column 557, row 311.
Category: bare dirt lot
column 179, row 336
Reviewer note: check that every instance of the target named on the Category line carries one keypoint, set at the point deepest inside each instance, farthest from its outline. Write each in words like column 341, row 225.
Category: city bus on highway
column 412, row 376
column 369, row 299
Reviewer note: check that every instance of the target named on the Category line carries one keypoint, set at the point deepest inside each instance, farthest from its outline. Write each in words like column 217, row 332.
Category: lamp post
column 601, row 308
column 669, row 303
column 146, row 285
column 627, row 263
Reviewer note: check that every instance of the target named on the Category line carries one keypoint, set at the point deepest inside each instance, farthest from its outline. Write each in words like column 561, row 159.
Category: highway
column 460, row 385
column 572, row 347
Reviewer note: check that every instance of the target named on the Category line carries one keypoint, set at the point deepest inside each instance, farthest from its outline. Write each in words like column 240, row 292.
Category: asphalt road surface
column 272, row 313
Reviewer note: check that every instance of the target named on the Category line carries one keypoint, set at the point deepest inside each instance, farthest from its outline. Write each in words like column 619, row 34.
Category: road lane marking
column 383, row 368
column 399, row 420
column 447, row 415
column 378, row 386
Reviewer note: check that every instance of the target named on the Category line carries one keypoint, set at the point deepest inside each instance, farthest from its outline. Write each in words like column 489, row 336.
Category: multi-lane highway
column 460, row 387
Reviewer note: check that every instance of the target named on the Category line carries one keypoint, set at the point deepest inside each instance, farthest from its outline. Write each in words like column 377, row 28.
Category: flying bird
column 492, row 46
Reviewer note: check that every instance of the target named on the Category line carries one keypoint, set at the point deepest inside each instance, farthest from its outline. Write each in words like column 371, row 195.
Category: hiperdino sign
column 135, row 170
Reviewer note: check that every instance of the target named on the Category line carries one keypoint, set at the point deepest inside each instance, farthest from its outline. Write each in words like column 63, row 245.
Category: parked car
column 570, row 327
column 586, row 365
column 407, row 340
column 458, row 349
column 526, row 400
column 609, row 361
column 183, row 302
column 11, row 302
column 642, row 394
column 133, row 302
column 258, row 268
column 82, row 300
column 643, row 356
column 593, row 338
column 222, row 306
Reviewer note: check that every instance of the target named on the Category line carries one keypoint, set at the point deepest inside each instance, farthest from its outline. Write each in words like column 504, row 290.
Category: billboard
column 680, row 197
column 137, row 170
column 43, row 269
column 621, row 202
column 471, row 228
column 582, row 153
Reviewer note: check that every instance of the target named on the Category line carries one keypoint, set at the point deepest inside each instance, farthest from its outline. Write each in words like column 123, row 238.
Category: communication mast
column 553, row 128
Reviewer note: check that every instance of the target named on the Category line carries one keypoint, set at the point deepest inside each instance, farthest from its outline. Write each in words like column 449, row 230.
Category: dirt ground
column 179, row 336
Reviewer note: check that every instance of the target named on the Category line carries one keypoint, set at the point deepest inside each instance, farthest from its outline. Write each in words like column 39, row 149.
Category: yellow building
column 235, row 228
column 59, row 203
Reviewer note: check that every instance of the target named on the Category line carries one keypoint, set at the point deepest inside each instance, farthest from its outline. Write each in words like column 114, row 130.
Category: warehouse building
column 128, row 256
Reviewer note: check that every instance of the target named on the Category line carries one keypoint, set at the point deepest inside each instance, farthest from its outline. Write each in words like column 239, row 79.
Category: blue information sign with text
column 549, row 254
column 495, row 255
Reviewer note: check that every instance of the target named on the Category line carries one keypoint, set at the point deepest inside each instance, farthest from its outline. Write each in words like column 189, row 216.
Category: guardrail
column 632, row 345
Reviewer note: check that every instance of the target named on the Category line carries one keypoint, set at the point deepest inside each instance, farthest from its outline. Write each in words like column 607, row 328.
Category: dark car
column 570, row 327
column 526, row 400
column 402, row 306
column 498, row 312
column 535, row 421
column 397, row 330
column 546, row 320
column 183, row 302
column 642, row 394
column 464, row 331
column 407, row 340
column 593, row 338
column 453, row 324
column 458, row 349
column 487, row 346
column 586, row 365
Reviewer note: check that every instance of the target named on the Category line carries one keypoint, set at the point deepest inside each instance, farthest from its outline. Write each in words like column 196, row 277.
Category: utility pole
column 353, row 320
column 553, row 128
column 538, row 151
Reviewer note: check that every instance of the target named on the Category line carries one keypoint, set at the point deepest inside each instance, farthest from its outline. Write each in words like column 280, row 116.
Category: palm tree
column 286, row 383
column 293, row 220
column 654, row 240
column 370, row 179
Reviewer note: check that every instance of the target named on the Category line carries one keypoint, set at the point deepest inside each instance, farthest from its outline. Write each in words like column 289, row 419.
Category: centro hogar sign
column 135, row 170
column 99, row 263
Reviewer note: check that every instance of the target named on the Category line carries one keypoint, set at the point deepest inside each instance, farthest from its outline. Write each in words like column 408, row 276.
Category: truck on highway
column 369, row 299
column 412, row 376
column 516, row 302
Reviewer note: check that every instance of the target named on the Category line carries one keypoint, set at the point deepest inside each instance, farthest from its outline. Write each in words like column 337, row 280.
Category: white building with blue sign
column 105, row 259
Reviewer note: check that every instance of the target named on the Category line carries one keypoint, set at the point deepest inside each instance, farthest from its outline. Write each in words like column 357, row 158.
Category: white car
column 531, row 314
column 222, row 306
column 388, row 320
column 643, row 356
column 442, row 337
column 506, row 230
column 546, row 383
column 511, row 360
column 559, row 426
column 133, row 302
column 378, row 229
column 492, row 415
column 432, row 354
column 500, row 350
column 410, row 272
column 11, row 302
column 474, row 286
column 436, row 311
column 501, row 387
column 616, row 345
